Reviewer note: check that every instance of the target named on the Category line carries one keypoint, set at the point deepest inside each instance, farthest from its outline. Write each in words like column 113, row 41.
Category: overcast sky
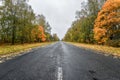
column 59, row 13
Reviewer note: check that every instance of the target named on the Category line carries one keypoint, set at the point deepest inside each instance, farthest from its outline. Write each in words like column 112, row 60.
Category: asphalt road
column 61, row 61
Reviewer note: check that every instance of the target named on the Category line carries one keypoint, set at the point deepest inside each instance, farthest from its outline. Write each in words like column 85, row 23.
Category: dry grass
column 7, row 49
column 104, row 49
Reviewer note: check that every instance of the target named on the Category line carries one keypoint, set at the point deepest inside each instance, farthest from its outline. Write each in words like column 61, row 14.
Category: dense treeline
column 19, row 23
column 98, row 22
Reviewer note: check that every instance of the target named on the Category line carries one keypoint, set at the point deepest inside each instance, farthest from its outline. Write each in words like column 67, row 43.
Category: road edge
column 95, row 51
column 4, row 58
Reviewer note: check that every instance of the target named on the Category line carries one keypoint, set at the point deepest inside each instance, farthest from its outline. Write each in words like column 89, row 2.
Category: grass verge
column 8, row 49
column 99, row 48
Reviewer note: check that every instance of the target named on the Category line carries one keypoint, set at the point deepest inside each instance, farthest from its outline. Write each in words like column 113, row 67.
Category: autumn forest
column 98, row 22
column 19, row 24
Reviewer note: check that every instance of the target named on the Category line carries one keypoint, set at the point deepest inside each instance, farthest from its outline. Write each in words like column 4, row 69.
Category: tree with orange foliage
column 38, row 34
column 107, row 24
column 41, row 34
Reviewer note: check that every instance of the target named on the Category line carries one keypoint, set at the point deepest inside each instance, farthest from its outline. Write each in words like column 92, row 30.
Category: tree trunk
column 13, row 34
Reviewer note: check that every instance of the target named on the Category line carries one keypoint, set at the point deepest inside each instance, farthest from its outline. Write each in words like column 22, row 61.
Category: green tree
column 55, row 37
column 82, row 28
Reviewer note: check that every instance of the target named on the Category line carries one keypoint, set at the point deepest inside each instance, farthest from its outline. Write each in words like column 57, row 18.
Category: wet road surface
column 61, row 61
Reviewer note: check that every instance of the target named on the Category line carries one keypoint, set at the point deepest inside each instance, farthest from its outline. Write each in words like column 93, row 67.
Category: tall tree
column 40, row 19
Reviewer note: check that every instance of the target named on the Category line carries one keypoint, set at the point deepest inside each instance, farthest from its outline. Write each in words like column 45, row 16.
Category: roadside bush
column 113, row 43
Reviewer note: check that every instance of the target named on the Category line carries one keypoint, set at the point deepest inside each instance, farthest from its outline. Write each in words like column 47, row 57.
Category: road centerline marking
column 60, row 74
